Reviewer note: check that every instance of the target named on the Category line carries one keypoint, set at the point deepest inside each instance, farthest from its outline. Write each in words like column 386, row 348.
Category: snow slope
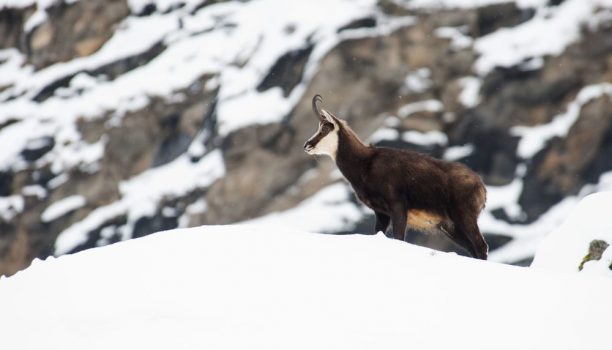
column 271, row 287
column 565, row 247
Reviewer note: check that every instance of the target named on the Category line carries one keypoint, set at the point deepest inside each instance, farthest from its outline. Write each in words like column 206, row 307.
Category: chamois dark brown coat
column 404, row 187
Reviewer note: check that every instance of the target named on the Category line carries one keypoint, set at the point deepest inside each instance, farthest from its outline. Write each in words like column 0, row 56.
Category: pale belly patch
column 424, row 220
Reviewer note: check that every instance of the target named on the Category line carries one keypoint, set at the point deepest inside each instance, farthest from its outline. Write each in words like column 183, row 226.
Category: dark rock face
column 569, row 163
column 11, row 22
column 42, row 146
column 6, row 182
column 513, row 96
column 252, row 155
column 145, row 138
column 287, row 72
column 140, row 143
column 74, row 30
column 493, row 17
column 555, row 2
column 367, row 22
column 14, row 248
column 495, row 156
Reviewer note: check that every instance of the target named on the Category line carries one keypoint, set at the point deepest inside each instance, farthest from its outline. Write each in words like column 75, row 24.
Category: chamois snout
column 308, row 147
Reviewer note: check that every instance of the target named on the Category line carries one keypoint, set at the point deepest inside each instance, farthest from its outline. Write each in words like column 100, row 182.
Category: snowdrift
column 271, row 287
column 565, row 248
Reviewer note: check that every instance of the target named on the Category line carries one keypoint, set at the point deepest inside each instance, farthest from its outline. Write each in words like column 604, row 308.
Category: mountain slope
column 172, row 114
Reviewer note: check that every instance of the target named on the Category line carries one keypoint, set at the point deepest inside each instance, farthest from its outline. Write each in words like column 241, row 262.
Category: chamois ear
column 329, row 117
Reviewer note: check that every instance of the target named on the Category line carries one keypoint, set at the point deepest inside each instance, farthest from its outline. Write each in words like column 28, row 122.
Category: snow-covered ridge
column 274, row 287
column 62, row 207
column 565, row 248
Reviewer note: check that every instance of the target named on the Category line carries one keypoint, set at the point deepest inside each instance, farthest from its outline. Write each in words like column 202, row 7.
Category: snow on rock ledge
column 565, row 248
column 269, row 287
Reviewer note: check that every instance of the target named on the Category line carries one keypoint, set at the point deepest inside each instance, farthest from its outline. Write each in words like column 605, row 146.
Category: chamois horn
column 315, row 107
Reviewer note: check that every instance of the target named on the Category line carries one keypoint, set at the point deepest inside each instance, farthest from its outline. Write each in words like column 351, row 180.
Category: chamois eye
column 327, row 127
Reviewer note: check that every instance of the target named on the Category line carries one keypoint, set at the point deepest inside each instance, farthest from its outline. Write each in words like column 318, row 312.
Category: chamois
column 405, row 187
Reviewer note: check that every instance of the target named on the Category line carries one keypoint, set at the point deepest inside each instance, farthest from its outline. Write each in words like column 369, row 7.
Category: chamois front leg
column 382, row 222
column 399, row 221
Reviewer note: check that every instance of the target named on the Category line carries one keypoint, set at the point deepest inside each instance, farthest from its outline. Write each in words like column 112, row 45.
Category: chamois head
column 325, row 140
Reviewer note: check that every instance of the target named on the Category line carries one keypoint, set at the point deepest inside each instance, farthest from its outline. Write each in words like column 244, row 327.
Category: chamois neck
column 352, row 153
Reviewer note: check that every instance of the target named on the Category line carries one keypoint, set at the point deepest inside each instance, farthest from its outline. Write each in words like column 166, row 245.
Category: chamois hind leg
column 399, row 222
column 476, row 238
column 467, row 234
column 382, row 222
column 468, row 199
column 458, row 238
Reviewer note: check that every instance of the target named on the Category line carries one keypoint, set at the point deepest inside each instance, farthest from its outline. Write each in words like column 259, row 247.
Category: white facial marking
column 328, row 145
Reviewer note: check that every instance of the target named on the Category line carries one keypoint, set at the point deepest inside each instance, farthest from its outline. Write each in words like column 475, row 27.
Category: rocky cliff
column 121, row 118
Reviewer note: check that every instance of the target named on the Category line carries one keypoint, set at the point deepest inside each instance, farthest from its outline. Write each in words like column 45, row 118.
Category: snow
column 459, row 40
column 420, row 106
column 564, row 248
column 533, row 139
column 455, row 153
column 15, row 137
column 429, row 138
column 329, row 210
column 197, row 207
column 470, row 93
column 58, row 181
column 389, row 132
column 142, row 193
column 527, row 238
column 10, row 206
column 507, row 197
column 548, row 33
column 417, row 82
column 34, row 190
column 68, row 155
column 36, row 19
column 275, row 287
column 62, row 207
column 383, row 134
